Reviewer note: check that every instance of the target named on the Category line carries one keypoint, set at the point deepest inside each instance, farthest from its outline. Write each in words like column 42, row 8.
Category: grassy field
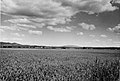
column 59, row 65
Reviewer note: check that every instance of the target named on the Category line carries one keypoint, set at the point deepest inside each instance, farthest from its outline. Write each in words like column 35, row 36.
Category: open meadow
column 59, row 65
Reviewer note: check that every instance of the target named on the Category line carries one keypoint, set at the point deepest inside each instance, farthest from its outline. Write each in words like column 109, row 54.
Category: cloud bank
column 52, row 12
column 54, row 8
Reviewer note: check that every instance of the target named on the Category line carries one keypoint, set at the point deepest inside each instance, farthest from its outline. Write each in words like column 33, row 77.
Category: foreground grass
column 12, row 68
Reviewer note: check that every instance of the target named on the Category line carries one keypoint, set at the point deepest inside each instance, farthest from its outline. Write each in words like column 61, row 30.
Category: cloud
column 19, row 27
column 35, row 32
column 87, row 26
column 16, row 39
column 115, row 29
column 24, row 22
column 51, row 21
column 80, row 33
column 13, row 28
column 26, row 25
column 116, row 1
column 12, row 39
column 110, row 39
column 104, row 36
column 8, row 28
column 41, row 25
column 18, row 35
column 61, row 29
column 1, row 30
column 18, row 20
column 92, row 35
column 96, row 40
column 56, row 21
column 116, row 42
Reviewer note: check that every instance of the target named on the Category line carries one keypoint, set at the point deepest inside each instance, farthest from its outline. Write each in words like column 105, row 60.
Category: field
column 59, row 65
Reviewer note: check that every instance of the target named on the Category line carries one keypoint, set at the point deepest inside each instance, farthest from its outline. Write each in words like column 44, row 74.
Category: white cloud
column 115, row 29
column 116, row 42
column 96, row 40
column 17, row 39
column 51, row 21
column 80, row 33
column 35, row 32
column 26, row 25
column 104, row 36
column 24, row 22
column 56, row 21
column 18, row 20
column 70, row 27
column 110, row 40
column 41, row 25
column 92, row 35
column 18, row 35
column 13, row 28
column 1, row 30
column 19, row 27
column 61, row 29
column 12, row 39
column 117, row 1
column 87, row 26
column 8, row 27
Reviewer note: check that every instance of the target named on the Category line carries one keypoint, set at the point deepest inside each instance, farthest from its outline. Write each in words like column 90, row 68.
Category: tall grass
column 14, row 69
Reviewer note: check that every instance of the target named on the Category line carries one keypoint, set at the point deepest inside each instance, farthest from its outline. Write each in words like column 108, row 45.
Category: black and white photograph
column 59, row 40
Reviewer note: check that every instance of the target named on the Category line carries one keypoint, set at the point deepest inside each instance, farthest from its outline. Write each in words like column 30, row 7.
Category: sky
column 61, row 22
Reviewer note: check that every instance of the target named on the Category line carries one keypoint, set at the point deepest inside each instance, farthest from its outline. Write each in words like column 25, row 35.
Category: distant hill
column 11, row 45
column 70, row 46
column 16, row 45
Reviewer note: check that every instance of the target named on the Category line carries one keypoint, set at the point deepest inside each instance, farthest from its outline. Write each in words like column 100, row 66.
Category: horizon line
column 58, row 45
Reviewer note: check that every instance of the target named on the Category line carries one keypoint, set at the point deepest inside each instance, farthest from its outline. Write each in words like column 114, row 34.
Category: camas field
column 59, row 65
